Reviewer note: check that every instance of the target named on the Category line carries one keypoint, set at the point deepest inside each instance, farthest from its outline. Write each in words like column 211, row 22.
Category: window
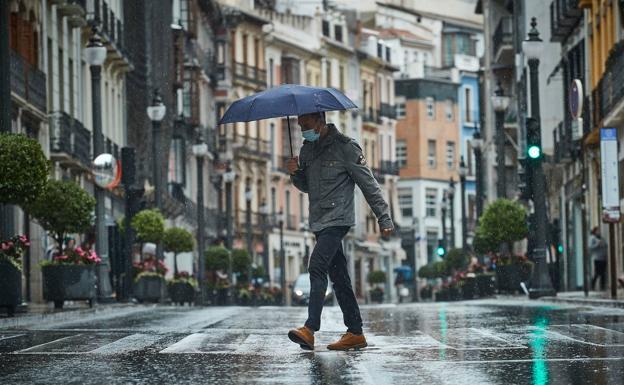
column 287, row 205
column 342, row 77
column 271, row 75
column 450, row 155
column 430, row 108
column 326, row 28
column 338, row 32
column 431, row 200
column 449, row 110
column 176, row 161
column 301, row 211
column 467, row 104
column 405, row 202
column 400, row 110
column 431, row 153
column 273, row 200
column 401, row 153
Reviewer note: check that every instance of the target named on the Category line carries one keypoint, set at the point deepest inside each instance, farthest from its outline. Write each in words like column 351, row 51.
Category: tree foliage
column 376, row 276
column 504, row 221
column 240, row 261
column 63, row 207
column 216, row 258
column 177, row 240
column 23, row 169
column 149, row 225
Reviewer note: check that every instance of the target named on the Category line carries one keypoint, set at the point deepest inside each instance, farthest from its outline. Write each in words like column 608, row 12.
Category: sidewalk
column 38, row 313
column 594, row 298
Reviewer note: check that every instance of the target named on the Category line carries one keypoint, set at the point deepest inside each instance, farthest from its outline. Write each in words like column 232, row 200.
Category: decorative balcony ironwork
column 28, row 82
column 503, row 37
column 111, row 27
column 252, row 146
column 564, row 16
column 253, row 75
column 370, row 115
column 609, row 91
column 388, row 110
column 70, row 142
column 389, row 167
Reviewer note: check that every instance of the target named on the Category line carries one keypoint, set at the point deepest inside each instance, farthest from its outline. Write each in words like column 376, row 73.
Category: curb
column 69, row 315
column 618, row 304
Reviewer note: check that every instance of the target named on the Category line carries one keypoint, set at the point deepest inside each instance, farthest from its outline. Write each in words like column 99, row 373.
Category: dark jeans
column 328, row 258
column 600, row 271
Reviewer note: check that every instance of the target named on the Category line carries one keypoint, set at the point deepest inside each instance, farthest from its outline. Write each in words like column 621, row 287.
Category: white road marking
column 126, row 344
column 44, row 344
column 9, row 337
column 188, row 344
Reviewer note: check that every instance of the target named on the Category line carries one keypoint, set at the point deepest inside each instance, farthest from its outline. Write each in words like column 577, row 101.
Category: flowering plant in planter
column 184, row 277
column 77, row 256
column 149, row 267
column 12, row 250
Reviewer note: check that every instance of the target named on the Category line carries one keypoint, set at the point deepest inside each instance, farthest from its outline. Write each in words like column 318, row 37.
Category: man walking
column 598, row 249
column 327, row 169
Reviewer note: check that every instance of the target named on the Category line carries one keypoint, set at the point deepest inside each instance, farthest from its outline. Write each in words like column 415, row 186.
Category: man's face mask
column 310, row 135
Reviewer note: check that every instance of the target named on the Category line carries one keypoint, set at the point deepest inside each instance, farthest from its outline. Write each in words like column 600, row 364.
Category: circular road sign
column 575, row 98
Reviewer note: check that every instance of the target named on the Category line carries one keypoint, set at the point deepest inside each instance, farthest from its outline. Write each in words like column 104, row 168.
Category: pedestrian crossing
column 239, row 341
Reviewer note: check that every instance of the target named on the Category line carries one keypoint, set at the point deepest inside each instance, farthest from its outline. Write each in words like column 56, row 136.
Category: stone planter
column 10, row 287
column 149, row 288
column 376, row 296
column 181, row 292
column 485, row 285
column 469, row 288
column 68, row 282
column 442, row 295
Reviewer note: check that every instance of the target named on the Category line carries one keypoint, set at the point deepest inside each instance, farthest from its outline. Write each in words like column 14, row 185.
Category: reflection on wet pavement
column 499, row 341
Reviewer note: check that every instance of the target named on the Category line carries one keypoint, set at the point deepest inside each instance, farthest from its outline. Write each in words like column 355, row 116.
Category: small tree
column 503, row 222
column 456, row 259
column 177, row 240
column 376, row 276
column 149, row 226
column 217, row 258
column 240, row 261
column 23, row 169
column 63, row 207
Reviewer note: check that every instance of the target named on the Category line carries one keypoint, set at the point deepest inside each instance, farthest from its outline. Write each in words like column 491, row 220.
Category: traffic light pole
column 540, row 284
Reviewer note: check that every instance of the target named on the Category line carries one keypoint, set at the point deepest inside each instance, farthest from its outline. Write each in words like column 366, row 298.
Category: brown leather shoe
column 302, row 336
column 349, row 341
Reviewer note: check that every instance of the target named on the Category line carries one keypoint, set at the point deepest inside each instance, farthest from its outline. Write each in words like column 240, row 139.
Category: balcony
column 112, row 148
column 255, row 147
column 564, row 146
column 251, row 76
column 388, row 110
column 370, row 115
column 28, row 82
column 70, row 142
column 75, row 11
column 389, row 167
column 608, row 96
column 111, row 30
column 502, row 41
column 564, row 16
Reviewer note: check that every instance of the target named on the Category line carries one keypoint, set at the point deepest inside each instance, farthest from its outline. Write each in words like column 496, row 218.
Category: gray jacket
column 598, row 248
column 328, row 171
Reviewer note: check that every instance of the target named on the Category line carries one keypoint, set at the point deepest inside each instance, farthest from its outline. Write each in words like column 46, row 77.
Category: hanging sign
column 609, row 174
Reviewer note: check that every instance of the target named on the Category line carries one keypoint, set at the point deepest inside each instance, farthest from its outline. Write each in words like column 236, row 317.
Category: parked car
column 301, row 290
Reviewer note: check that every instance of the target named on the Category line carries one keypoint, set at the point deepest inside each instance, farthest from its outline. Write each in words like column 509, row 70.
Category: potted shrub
column 149, row 282
column 468, row 285
column 217, row 262
column 502, row 223
column 64, row 207
column 24, row 170
column 177, row 240
column 485, row 284
column 182, row 288
column 11, row 253
column 377, row 278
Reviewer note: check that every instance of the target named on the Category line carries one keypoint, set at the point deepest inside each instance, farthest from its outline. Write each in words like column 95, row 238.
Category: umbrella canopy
column 286, row 100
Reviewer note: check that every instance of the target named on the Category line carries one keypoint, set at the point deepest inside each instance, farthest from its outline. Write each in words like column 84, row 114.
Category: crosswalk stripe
column 45, row 344
column 189, row 344
column 129, row 343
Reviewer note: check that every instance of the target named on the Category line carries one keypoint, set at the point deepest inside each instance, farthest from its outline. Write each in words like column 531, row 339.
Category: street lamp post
column 228, row 178
column 444, row 208
column 95, row 55
column 540, row 284
column 156, row 113
column 451, row 197
column 280, row 218
column 248, row 198
column 463, row 171
column 264, row 212
column 477, row 145
column 200, row 150
column 500, row 102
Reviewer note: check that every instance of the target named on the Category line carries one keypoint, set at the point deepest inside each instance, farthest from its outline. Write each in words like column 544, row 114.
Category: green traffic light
column 440, row 251
column 560, row 248
column 534, row 152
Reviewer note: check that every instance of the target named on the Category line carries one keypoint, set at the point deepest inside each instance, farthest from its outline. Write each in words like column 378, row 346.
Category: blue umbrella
column 286, row 100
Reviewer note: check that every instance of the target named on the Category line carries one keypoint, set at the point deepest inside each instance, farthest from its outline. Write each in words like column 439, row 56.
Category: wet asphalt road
column 498, row 341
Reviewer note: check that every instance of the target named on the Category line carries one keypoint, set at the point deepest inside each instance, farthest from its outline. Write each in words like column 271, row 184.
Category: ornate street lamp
column 248, row 199
column 463, row 171
column 200, row 150
column 264, row 213
column 280, row 220
column 450, row 194
column 477, row 146
column 228, row 177
column 540, row 284
column 444, row 206
column 95, row 55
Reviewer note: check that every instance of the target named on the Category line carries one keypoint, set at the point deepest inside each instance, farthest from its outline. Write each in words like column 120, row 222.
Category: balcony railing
column 253, row 146
column 112, row 148
column 70, row 140
column 251, row 74
column 610, row 89
column 388, row 110
column 28, row 82
column 389, row 167
column 564, row 16
column 563, row 143
column 503, row 35
column 370, row 115
column 111, row 27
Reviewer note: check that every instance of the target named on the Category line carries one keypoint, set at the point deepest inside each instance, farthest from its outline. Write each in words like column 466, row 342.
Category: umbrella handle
column 290, row 137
